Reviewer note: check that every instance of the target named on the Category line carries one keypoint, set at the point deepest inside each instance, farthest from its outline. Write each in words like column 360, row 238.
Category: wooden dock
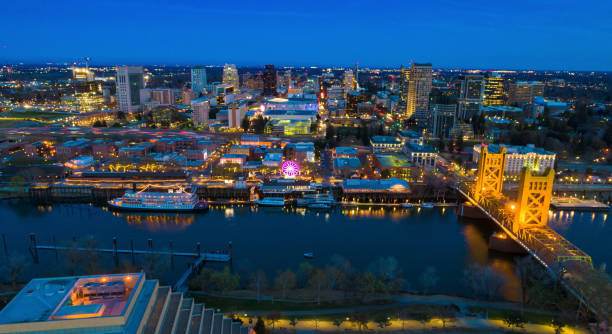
column 214, row 257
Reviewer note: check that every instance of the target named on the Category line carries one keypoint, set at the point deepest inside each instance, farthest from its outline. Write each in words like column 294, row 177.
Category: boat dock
column 576, row 204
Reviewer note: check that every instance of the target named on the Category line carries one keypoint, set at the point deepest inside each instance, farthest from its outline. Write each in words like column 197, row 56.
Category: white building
column 518, row 157
column 201, row 108
column 130, row 80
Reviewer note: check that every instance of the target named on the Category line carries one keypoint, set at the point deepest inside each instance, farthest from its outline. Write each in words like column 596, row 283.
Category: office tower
column 201, row 108
column 471, row 93
column 287, row 79
column 494, row 90
column 443, row 104
column 230, row 76
column 87, row 92
column 403, row 91
column 130, row 80
column 349, row 82
column 225, row 94
column 356, row 71
column 522, row 92
column 198, row 80
column 187, row 95
column 269, row 78
column 235, row 115
column 419, row 87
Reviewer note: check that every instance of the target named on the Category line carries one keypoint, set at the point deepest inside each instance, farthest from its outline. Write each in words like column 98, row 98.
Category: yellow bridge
column 525, row 221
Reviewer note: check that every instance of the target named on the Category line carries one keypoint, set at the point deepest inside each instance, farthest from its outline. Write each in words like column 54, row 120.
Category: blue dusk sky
column 492, row 34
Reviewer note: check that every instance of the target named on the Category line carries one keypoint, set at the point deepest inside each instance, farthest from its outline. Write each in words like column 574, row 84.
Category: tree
column 423, row 317
column 447, row 314
column 337, row 321
column 259, row 282
column 293, row 322
column 225, row 281
column 514, row 320
column 361, row 319
column 558, row 325
column 16, row 264
column 483, row 281
column 523, row 268
column 305, row 270
column 245, row 124
column 260, row 326
column 284, row 281
column 382, row 320
column 273, row 318
column 429, row 278
column 317, row 282
column 17, row 185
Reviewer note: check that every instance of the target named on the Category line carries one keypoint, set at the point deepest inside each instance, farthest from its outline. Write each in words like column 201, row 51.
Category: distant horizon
column 348, row 66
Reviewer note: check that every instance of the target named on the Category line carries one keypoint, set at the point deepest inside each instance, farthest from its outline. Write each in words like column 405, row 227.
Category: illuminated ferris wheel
column 290, row 168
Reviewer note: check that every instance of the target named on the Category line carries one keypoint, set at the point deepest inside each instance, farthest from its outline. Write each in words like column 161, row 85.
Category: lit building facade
column 230, row 76
column 201, row 109
column 494, row 94
column 349, row 82
column 269, row 81
column 404, row 82
column 198, row 80
column 130, row 80
column 523, row 92
column 87, row 92
column 471, row 94
column 418, row 92
column 518, row 157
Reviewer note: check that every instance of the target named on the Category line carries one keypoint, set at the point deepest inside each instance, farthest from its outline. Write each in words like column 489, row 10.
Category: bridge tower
column 535, row 192
column 490, row 174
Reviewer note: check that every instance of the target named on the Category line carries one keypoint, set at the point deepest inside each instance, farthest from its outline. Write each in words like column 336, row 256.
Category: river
column 275, row 239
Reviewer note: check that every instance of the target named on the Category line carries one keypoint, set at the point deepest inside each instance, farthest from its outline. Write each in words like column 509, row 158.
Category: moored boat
column 271, row 201
column 427, row 205
column 179, row 201
column 407, row 205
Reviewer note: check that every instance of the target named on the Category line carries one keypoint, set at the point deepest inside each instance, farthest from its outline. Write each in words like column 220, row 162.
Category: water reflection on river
column 274, row 239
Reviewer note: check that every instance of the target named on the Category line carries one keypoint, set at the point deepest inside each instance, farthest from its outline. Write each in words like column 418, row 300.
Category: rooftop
column 384, row 140
column 347, row 150
column 515, row 149
column 394, row 160
column 76, row 297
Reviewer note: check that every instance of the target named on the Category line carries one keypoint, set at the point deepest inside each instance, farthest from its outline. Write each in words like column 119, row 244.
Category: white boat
column 271, row 201
column 427, row 205
column 309, row 255
column 179, row 201
column 308, row 199
column 407, row 205
column 319, row 206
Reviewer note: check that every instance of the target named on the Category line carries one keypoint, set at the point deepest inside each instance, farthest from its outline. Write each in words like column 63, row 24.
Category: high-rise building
column 287, row 79
column 404, row 81
column 87, row 92
column 198, row 80
column 419, row 87
column 523, row 92
column 235, row 115
column 130, row 80
column 443, row 104
column 356, row 72
column 230, row 76
column 494, row 90
column 201, row 109
column 471, row 94
column 349, row 82
column 269, row 78
column 187, row 95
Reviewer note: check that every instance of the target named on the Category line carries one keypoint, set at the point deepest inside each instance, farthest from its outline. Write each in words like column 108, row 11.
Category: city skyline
column 543, row 36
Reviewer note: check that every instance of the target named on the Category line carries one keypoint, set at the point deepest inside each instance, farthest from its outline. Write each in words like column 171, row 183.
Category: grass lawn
column 33, row 114
column 499, row 314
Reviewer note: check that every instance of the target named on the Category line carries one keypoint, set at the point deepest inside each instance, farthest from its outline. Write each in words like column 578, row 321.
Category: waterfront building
column 130, row 80
column 523, row 92
column 385, row 144
column 396, row 165
column 230, row 76
column 239, row 159
column 419, row 87
column 269, row 81
column 117, row 303
column 345, row 166
column 198, row 80
column 423, row 156
column 518, row 157
column 391, row 185
column 471, row 94
column 494, row 94
column 201, row 109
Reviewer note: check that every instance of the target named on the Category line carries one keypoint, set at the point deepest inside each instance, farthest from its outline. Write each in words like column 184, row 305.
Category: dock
column 576, row 204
